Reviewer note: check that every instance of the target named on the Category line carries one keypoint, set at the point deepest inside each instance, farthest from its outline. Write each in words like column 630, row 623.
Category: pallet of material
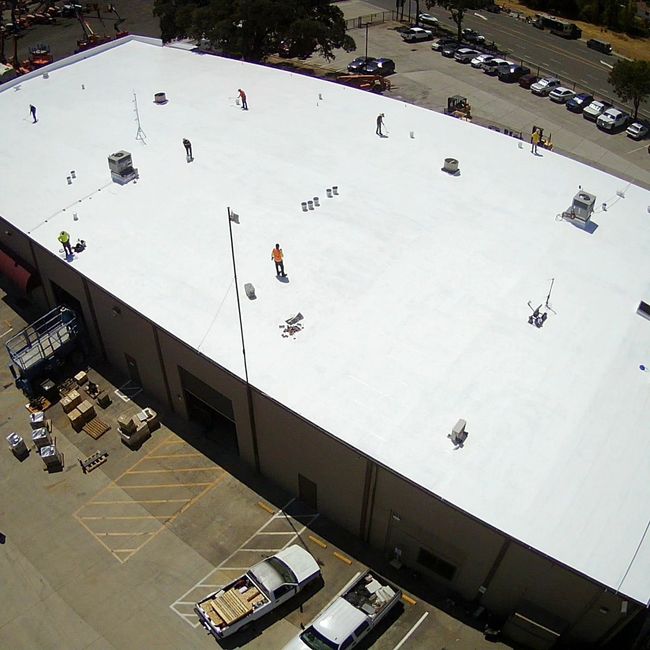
column 212, row 613
column 96, row 428
column 230, row 607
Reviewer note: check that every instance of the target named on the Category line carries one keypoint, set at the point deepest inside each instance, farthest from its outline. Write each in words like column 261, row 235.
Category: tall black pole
column 249, row 391
column 367, row 41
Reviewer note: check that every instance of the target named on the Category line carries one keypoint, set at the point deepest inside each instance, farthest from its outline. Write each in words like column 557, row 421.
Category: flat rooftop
column 414, row 284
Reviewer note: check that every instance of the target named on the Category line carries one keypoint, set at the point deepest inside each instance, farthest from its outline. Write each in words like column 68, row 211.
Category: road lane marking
column 408, row 634
column 607, row 65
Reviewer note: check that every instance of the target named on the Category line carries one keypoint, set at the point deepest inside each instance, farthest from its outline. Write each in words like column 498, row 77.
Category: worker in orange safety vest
column 278, row 257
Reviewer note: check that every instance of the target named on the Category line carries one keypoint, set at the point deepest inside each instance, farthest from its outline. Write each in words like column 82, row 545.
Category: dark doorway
column 216, row 427
column 62, row 297
column 132, row 369
column 307, row 492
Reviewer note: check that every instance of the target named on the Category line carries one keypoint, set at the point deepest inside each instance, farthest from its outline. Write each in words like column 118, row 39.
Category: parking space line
column 204, row 585
column 177, row 455
column 161, row 521
column 408, row 634
column 169, row 471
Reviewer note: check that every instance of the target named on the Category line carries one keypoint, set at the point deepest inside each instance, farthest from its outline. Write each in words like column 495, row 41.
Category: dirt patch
column 634, row 48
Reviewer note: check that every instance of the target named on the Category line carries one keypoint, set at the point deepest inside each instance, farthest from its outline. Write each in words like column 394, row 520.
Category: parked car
column 637, row 131
column 544, row 86
column 513, row 73
column 594, row 110
column 439, row 43
column 465, row 54
column 527, row 80
column 577, row 103
column 381, row 66
column 471, row 36
column 601, row 46
column 358, row 66
column 414, row 34
column 612, row 119
column 560, row 95
column 428, row 19
column 478, row 61
column 495, row 65
column 449, row 49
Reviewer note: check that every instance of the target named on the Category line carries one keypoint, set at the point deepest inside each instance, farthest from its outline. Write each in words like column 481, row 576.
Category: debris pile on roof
column 292, row 326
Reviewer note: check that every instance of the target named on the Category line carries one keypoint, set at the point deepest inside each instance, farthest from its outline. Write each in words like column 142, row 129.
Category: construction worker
column 242, row 96
column 188, row 150
column 64, row 238
column 380, row 123
column 278, row 257
column 534, row 139
column 32, row 112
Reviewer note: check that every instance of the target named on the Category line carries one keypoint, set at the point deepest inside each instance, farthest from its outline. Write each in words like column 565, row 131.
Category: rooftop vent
column 458, row 434
column 583, row 205
column 451, row 166
column 160, row 98
column 250, row 291
column 121, row 165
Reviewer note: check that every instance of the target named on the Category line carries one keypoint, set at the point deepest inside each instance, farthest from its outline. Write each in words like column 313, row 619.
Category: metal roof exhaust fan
column 250, row 291
column 451, row 167
column 121, row 166
column 458, row 434
column 160, row 98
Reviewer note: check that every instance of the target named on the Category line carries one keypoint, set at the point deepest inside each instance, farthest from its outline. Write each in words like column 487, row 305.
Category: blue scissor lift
column 43, row 346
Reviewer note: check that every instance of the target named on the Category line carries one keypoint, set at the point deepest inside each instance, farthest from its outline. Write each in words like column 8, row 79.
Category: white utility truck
column 261, row 589
column 351, row 616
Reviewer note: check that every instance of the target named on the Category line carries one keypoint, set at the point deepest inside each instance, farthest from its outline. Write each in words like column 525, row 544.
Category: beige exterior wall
column 406, row 517
column 290, row 446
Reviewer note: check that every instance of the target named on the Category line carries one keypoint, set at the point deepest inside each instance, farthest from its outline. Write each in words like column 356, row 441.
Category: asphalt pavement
column 579, row 67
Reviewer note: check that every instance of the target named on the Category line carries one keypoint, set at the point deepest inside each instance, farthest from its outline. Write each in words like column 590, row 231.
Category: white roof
column 413, row 284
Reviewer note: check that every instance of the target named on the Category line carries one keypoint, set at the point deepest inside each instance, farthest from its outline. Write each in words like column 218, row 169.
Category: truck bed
column 232, row 604
column 371, row 594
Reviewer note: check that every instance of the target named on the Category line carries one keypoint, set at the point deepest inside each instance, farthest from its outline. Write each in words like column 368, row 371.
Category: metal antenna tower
column 140, row 135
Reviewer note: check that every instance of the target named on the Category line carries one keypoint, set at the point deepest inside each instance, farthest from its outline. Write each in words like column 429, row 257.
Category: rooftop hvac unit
column 583, row 206
column 458, row 433
column 121, row 165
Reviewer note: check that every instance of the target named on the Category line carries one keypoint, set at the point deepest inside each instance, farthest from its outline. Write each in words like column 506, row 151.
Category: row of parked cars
column 606, row 116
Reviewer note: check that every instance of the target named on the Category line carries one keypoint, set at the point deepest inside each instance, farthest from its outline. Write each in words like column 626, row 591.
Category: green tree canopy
column 631, row 81
column 253, row 29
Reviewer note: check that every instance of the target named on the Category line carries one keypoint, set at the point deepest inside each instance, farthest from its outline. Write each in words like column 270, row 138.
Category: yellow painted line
column 121, row 534
column 132, row 501
column 176, row 455
column 268, row 509
column 320, row 542
column 171, row 442
column 172, row 471
column 132, row 517
column 158, row 485
column 408, row 599
column 341, row 557
column 108, row 548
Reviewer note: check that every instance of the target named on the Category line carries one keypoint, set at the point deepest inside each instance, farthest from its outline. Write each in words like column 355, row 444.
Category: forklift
column 544, row 143
column 459, row 107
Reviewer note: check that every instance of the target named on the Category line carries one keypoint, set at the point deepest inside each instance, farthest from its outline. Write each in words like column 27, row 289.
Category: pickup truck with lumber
column 358, row 610
column 261, row 589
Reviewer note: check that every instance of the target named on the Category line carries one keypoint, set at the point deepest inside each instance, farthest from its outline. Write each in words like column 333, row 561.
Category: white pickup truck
column 261, row 589
column 351, row 616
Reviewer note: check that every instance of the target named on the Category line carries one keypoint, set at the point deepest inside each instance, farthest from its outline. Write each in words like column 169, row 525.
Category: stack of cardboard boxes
column 138, row 428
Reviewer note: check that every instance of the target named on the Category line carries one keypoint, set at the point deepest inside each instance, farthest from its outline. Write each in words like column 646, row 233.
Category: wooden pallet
column 96, row 428
column 231, row 607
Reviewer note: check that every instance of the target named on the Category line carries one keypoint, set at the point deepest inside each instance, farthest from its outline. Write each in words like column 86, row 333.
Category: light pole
column 249, row 391
column 367, row 41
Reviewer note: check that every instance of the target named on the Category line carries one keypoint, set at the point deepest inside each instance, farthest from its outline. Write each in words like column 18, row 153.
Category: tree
column 631, row 81
column 253, row 29
column 457, row 9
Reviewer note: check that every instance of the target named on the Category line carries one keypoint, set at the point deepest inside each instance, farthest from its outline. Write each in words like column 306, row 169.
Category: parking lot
column 116, row 558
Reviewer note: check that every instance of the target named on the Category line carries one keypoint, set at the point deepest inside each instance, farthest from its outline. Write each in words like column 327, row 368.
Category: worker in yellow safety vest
column 278, row 257
column 64, row 238
column 535, row 138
